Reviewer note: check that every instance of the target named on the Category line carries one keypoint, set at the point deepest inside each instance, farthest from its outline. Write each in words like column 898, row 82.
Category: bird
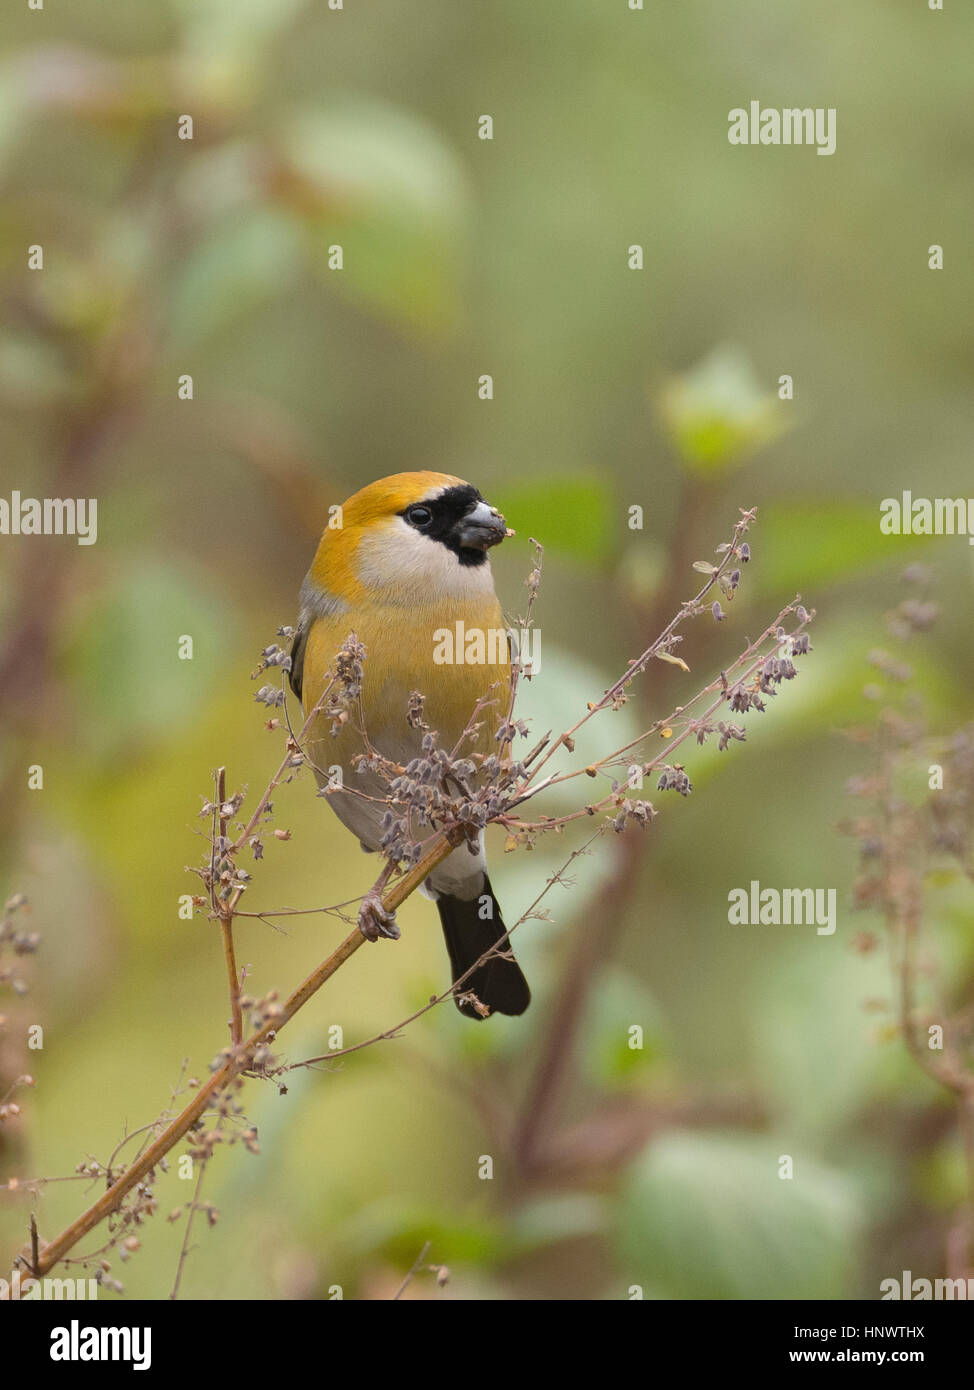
column 405, row 564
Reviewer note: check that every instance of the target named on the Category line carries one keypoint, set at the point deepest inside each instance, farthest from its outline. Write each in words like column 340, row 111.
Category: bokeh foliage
column 613, row 388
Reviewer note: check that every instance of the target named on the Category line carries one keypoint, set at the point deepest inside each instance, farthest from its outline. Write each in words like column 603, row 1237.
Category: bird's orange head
column 424, row 532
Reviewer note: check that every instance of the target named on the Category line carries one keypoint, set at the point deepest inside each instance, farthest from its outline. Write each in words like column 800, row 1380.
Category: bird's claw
column 375, row 920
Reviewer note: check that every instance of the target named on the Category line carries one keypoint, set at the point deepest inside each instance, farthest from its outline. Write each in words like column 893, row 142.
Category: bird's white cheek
column 407, row 567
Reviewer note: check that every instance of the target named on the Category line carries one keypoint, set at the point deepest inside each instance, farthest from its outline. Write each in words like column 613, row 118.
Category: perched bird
column 407, row 563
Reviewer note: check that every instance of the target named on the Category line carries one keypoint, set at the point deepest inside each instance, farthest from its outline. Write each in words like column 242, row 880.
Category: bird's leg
column 375, row 920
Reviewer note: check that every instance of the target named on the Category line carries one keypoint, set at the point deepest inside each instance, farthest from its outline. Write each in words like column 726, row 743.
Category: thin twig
column 456, row 986
column 417, row 1265
column 184, row 1248
column 226, row 913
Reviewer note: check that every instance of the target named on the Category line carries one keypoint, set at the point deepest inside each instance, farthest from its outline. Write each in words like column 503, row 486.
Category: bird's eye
column 419, row 516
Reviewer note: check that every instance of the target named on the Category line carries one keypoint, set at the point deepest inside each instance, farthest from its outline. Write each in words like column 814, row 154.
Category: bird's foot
column 375, row 920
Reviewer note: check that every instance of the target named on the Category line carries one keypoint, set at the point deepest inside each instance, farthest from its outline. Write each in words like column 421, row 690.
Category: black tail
column 499, row 983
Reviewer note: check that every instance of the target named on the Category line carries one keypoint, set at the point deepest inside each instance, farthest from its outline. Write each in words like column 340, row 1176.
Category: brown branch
column 441, row 845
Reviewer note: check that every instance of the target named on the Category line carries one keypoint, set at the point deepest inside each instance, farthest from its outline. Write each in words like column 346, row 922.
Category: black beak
column 481, row 528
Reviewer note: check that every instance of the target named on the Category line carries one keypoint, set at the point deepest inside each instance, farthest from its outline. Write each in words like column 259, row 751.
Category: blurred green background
column 613, row 388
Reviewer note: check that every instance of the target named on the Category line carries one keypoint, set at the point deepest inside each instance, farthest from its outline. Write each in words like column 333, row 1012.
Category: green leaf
column 244, row 23
column 809, row 543
column 15, row 109
column 718, row 412
column 814, row 1079
column 706, row 1216
column 124, row 661
column 619, row 1003
column 398, row 1230
column 385, row 187
column 243, row 261
column 31, row 370
column 570, row 516
column 549, row 1220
